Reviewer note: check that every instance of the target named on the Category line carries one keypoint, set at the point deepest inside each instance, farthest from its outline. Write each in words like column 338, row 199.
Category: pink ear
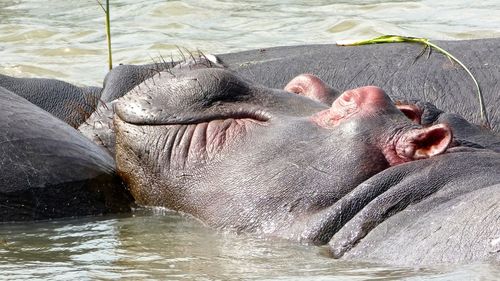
column 411, row 111
column 423, row 143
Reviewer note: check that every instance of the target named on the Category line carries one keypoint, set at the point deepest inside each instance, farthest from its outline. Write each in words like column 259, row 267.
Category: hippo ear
column 411, row 111
column 423, row 142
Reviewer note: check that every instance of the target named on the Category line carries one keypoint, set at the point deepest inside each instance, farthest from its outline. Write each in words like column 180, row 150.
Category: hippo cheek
column 149, row 154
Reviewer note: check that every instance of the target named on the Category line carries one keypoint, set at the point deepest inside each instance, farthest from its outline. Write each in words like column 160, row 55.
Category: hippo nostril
column 349, row 100
column 345, row 98
column 349, row 97
column 369, row 97
column 365, row 101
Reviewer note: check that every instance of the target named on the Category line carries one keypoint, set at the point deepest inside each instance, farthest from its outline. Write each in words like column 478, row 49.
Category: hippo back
column 49, row 170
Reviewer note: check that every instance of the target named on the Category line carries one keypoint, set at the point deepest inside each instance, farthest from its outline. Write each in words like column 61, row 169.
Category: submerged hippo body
column 65, row 101
column 49, row 170
column 245, row 157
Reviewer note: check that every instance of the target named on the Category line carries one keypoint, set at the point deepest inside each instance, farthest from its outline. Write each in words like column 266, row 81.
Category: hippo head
column 245, row 157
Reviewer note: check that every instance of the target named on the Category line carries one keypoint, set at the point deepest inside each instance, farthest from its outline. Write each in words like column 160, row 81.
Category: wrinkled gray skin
column 65, row 101
column 363, row 178
column 443, row 210
column 393, row 67
column 49, row 170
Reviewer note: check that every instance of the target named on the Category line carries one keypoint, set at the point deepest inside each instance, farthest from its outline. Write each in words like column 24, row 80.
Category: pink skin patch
column 425, row 142
column 310, row 86
column 418, row 143
column 365, row 100
column 203, row 141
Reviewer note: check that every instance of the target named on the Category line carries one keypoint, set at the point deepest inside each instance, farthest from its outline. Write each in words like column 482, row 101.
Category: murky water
column 65, row 39
column 167, row 246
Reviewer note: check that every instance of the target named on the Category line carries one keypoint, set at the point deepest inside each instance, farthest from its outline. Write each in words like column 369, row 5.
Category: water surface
column 65, row 39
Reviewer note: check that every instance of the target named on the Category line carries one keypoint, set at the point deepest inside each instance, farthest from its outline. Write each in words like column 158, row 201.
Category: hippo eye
column 296, row 91
column 230, row 95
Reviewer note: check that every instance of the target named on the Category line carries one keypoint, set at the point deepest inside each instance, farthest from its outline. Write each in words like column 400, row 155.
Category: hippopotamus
column 306, row 163
column 357, row 174
column 397, row 68
column 50, row 170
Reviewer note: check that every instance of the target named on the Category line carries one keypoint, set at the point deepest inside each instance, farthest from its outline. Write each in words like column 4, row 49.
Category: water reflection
column 168, row 246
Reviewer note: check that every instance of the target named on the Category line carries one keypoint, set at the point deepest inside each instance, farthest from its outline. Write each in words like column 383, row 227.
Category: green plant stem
column 426, row 42
column 108, row 36
column 108, row 32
